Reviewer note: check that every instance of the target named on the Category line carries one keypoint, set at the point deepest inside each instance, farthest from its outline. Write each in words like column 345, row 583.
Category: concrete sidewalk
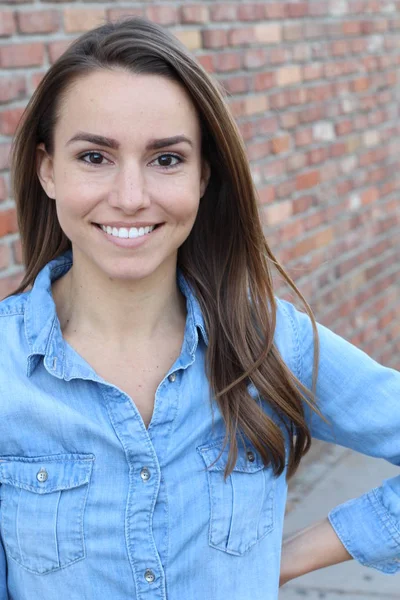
column 328, row 477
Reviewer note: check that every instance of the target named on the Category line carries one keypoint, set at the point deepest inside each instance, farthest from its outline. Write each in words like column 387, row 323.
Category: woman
column 156, row 395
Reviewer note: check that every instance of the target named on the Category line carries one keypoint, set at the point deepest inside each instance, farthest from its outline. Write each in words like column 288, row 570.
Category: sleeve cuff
column 368, row 532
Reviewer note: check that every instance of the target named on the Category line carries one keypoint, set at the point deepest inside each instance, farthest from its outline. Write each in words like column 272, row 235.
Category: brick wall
column 314, row 87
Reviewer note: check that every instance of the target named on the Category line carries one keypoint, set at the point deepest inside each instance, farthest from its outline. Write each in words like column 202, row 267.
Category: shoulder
column 12, row 335
column 293, row 334
column 13, row 306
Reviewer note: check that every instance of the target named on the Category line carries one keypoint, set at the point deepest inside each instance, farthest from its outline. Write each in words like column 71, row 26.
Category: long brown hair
column 225, row 259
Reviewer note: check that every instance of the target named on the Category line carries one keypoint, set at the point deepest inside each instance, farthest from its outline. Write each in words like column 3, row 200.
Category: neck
column 115, row 312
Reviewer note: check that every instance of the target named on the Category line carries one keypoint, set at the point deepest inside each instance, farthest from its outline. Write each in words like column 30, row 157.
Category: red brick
column 22, row 55
column 36, row 78
column 278, row 56
column 292, row 32
column 255, row 104
column 228, row 61
column 56, row 49
column 7, row 24
column 296, row 10
column 5, row 156
column 9, row 284
column 83, row 19
column 279, row 100
column 194, row 13
column 268, row 33
column 266, row 125
column 17, row 252
column 339, row 48
column 264, row 81
column 39, row 21
column 274, row 10
column 241, row 36
column 191, row 38
column 251, row 12
column 255, row 58
column 369, row 196
column 5, row 256
column 207, row 62
column 9, row 120
column 316, row 156
column 12, row 88
column 237, row 84
column 289, row 75
column 344, row 127
column 164, row 15
column 360, row 84
column 280, row 144
column 236, row 107
column 266, row 195
column 289, row 120
column 312, row 71
column 215, row 38
column 308, row 180
column 318, row 9
column 351, row 28
column 224, row 12
column 8, row 222
column 3, row 189
column 258, row 150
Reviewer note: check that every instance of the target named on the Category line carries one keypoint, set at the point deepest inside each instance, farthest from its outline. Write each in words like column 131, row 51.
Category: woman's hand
column 309, row 549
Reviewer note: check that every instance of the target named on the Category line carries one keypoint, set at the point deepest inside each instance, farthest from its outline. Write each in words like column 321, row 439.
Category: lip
column 128, row 242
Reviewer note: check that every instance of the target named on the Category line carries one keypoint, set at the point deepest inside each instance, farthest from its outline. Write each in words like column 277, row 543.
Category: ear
column 44, row 170
column 205, row 177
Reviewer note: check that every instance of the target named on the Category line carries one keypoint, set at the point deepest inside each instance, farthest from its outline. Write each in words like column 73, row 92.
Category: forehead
column 125, row 105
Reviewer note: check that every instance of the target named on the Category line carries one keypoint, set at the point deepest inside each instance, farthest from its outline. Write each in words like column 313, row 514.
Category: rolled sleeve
column 368, row 531
column 361, row 401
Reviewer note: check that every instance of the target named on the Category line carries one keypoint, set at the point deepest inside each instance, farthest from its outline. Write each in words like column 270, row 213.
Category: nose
column 129, row 190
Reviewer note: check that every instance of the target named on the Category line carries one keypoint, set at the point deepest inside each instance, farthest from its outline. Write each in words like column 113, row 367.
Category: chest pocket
column 242, row 506
column 42, row 509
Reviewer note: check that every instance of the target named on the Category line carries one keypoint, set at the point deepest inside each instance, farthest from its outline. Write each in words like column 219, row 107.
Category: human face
column 127, row 155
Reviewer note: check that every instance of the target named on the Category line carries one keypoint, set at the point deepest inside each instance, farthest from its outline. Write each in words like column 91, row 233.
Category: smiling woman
column 156, row 395
column 137, row 188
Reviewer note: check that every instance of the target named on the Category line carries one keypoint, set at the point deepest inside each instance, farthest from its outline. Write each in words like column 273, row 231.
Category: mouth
column 127, row 232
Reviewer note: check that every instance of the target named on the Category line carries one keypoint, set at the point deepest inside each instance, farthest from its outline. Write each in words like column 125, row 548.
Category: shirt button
column 149, row 576
column 42, row 475
column 172, row 377
column 250, row 456
column 145, row 474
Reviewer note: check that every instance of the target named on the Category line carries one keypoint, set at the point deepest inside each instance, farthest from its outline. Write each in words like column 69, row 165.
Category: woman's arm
column 361, row 401
column 310, row 549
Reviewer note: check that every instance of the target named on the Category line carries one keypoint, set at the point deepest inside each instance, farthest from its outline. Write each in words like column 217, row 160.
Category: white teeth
column 124, row 232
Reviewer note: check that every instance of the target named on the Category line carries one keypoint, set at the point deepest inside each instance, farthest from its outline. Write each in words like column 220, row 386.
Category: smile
column 124, row 232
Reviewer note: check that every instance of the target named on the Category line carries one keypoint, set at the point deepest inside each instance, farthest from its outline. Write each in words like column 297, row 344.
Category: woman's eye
column 92, row 158
column 168, row 160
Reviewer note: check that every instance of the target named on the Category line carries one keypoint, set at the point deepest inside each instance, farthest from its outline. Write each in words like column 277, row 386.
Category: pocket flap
column 248, row 460
column 45, row 474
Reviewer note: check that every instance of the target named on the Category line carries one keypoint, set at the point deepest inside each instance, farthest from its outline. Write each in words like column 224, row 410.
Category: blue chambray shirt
column 94, row 505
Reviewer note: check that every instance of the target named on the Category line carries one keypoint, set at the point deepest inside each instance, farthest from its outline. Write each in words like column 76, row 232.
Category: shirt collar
column 42, row 327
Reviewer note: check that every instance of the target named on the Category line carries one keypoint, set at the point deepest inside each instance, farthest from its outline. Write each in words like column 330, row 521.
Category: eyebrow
column 101, row 140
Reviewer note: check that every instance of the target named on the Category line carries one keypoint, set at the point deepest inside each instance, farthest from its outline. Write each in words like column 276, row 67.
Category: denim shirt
column 96, row 506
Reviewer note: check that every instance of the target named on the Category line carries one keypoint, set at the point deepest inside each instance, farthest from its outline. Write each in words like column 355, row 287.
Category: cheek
column 181, row 196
